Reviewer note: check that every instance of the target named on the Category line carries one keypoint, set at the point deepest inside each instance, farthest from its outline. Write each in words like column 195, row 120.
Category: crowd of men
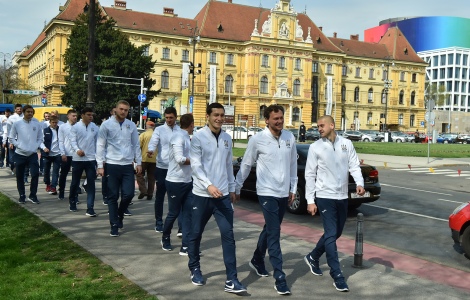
column 194, row 171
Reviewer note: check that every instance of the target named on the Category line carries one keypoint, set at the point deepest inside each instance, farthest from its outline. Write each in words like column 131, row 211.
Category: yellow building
column 260, row 56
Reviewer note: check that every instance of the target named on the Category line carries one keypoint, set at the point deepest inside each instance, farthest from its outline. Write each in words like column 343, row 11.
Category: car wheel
column 446, row 142
column 399, row 141
column 299, row 205
column 382, row 140
column 466, row 241
column 366, row 140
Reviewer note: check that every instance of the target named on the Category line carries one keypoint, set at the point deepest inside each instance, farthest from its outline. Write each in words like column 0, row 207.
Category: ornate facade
column 262, row 56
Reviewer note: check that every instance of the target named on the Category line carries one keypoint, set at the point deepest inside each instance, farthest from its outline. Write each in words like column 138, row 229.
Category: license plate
column 355, row 195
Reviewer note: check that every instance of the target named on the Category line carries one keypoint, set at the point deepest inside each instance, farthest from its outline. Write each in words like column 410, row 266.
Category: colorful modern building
column 257, row 56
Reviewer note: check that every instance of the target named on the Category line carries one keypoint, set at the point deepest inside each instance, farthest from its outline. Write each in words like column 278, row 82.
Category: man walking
column 214, row 193
column 302, row 132
column 179, row 184
column 17, row 116
column 160, row 140
column 51, row 156
column 148, row 164
column 65, row 150
column 3, row 139
column 275, row 153
column 330, row 160
column 25, row 136
column 118, row 148
column 83, row 138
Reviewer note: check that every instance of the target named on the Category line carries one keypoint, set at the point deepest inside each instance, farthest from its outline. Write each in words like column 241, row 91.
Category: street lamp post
column 387, row 86
column 4, row 72
column 193, row 40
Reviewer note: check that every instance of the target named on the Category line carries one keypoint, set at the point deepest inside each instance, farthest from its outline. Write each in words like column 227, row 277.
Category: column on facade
column 290, row 114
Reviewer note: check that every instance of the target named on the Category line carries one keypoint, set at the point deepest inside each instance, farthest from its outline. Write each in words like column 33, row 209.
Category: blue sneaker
column 313, row 264
column 114, row 231
column 90, row 212
column 22, row 199
column 33, row 200
column 166, row 244
column 196, row 277
column 159, row 228
column 282, row 288
column 73, row 207
column 341, row 285
column 234, row 286
column 127, row 213
column 259, row 268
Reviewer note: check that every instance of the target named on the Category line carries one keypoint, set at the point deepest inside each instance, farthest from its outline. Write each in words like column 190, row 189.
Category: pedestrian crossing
column 464, row 174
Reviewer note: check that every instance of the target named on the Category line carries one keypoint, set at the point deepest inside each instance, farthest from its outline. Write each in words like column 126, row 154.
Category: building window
column 295, row 114
column 413, row 77
column 465, row 59
column 163, row 105
column 356, row 115
column 400, row 119
column 402, row 76
column 434, row 74
column 209, row 83
column 230, row 57
column 443, row 59
column 297, row 87
column 165, row 80
column 344, row 70
column 412, row 120
column 212, row 57
column 265, row 61
column 450, row 59
column 464, row 73
column 385, row 75
column 264, row 85
column 370, row 96
column 185, row 55
column 358, row 72
column 356, row 94
column 412, row 100
column 146, row 51
column 298, row 64
column 371, row 73
column 315, row 67
column 369, row 118
column 229, row 84
column 329, row 69
column 457, row 58
column 384, row 97
column 343, row 93
column 435, row 61
column 282, row 62
column 261, row 111
column 166, row 53
column 401, row 97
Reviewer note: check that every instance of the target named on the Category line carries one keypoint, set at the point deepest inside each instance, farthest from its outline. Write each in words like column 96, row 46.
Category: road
column 411, row 217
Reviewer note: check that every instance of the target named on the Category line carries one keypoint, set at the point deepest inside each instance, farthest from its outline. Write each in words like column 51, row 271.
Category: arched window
column 400, row 119
column 412, row 100
column 370, row 96
column 264, row 85
column 369, row 118
column 384, row 97
column 402, row 97
column 282, row 62
column 163, row 105
column 261, row 111
column 229, row 84
column 297, row 87
column 343, row 93
column 295, row 114
column 165, row 80
column 356, row 94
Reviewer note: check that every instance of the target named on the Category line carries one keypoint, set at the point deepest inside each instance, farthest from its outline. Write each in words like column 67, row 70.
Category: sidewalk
column 137, row 254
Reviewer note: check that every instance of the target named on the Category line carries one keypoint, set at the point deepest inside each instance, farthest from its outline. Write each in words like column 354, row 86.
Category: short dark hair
column 170, row 110
column 53, row 119
column 71, row 111
column 18, row 105
column 8, row 110
column 213, row 105
column 86, row 110
column 27, row 106
column 46, row 112
column 272, row 108
column 186, row 120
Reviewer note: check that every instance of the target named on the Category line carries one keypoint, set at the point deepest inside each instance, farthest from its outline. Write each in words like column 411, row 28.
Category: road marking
column 407, row 212
column 451, row 201
column 446, row 172
column 423, row 171
column 408, row 169
column 405, row 188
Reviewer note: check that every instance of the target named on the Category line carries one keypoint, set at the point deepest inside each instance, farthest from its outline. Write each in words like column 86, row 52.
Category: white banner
column 213, row 84
column 329, row 95
column 185, row 76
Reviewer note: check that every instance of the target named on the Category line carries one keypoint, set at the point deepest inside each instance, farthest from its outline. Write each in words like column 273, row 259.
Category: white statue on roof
column 298, row 31
column 255, row 30
column 284, row 30
column 267, row 25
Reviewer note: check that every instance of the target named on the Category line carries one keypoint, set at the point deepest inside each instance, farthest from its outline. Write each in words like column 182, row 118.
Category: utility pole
column 4, row 72
column 90, row 101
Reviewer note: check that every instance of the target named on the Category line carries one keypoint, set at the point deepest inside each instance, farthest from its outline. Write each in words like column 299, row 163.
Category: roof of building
column 356, row 48
column 399, row 47
column 36, row 43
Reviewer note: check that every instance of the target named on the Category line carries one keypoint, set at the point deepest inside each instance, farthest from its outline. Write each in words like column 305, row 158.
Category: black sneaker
column 313, row 264
column 22, row 199
column 234, row 286
column 120, row 223
column 196, row 277
column 114, row 231
column 159, row 228
column 127, row 213
column 282, row 288
column 259, row 268
column 105, row 201
column 184, row 251
column 180, row 233
column 33, row 200
column 73, row 207
column 90, row 212
column 341, row 285
column 131, row 203
column 166, row 244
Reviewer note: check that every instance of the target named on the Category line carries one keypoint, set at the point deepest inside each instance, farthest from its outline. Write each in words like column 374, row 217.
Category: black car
column 299, row 206
column 312, row 134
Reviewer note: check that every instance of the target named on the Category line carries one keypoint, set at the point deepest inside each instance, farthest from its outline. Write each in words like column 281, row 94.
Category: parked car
column 312, row 134
column 447, row 138
column 398, row 137
column 353, row 135
column 299, row 205
column 459, row 223
column 254, row 130
column 463, row 139
column 295, row 132
column 238, row 133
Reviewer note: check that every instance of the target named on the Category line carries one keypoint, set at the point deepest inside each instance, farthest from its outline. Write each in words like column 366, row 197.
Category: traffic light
column 98, row 77
column 8, row 91
column 143, row 107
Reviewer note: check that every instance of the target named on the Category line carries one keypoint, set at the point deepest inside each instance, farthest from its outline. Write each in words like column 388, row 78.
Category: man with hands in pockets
column 329, row 162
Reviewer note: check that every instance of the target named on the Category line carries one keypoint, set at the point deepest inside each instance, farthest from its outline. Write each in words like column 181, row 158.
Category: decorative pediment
column 281, row 91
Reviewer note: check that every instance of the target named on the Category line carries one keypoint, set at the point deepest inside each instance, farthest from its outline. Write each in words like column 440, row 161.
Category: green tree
column 436, row 92
column 11, row 81
column 115, row 56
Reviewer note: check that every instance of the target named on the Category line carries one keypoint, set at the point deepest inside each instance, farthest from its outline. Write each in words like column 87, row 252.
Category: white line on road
column 451, row 201
column 407, row 212
column 405, row 188
column 408, row 169
column 422, row 171
column 457, row 175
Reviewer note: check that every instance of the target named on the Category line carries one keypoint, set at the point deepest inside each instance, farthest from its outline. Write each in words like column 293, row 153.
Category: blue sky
column 23, row 20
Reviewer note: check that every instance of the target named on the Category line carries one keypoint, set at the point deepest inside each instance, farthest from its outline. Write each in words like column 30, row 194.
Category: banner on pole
column 185, row 76
column 213, row 84
column 329, row 95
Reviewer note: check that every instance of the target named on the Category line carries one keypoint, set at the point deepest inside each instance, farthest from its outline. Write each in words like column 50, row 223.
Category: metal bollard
column 359, row 241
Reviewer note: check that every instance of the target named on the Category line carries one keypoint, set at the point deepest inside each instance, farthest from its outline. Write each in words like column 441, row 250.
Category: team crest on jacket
column 288, row 144
column 226, row 144
column 34, row 128
column 128, row 126
column 344, row 148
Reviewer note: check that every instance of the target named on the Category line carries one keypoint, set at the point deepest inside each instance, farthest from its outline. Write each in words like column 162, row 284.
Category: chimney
column 354, row 37
column 334, row 34
column 169, row 12
column 321, row 28
column 120, row 4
